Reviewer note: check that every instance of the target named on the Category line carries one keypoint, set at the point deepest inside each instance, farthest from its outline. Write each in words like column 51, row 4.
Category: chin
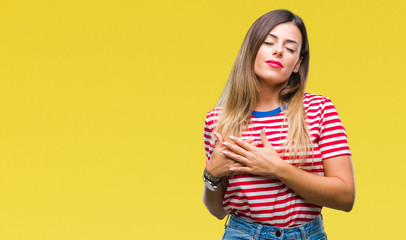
column 272, row 80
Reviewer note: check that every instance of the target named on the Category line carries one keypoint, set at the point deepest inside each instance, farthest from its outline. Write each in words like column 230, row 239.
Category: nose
column 277, row 52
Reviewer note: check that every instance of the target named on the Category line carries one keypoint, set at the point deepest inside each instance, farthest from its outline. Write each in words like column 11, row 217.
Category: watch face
column 210, row 186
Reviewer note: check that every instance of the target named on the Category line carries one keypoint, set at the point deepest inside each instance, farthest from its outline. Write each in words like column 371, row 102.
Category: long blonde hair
column 241, row 93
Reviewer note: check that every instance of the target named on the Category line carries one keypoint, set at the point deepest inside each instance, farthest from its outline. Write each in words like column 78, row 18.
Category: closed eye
column 289, row 49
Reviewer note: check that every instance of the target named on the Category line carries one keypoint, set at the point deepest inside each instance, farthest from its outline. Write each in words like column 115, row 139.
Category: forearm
column 335, row 190
column 214, row 202
column 331, row 192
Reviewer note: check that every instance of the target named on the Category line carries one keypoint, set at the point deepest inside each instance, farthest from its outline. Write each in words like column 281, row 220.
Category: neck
column 269, row 98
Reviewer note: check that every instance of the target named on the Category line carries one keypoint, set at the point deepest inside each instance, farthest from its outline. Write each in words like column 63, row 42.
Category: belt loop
column 259, row 229
column 226, row 222
column 303, row 232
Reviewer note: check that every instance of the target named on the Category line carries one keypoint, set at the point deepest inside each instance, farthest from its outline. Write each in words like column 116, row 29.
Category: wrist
column 212, row 172
column 212, row 183
column 211, row 178
column 281, row 169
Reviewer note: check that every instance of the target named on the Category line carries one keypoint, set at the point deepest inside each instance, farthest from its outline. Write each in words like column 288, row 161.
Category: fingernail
column 232, row 137
column 263, row 129
column 231, row 169
column 224, row 152
column 225, row 143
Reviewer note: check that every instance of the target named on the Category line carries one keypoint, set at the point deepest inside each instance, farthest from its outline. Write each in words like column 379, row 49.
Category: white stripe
column 252, row 194
column 326, row 148
column 336, row 153
column 274, row 214
column 333, row 124
column 333, row 139
column 249, row 179
column 332, row 132
column 252, row 186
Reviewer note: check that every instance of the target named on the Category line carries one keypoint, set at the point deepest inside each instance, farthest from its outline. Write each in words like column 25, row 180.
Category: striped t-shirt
column 265, row 199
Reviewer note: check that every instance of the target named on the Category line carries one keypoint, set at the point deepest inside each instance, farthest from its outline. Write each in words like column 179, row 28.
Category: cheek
column 256, row 65
column 260, row 58
column 292, row 63
column 261, row 54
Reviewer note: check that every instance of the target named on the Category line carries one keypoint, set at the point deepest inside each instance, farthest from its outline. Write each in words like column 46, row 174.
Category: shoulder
column 314, row 98
column 312, row 101
column 212, row 117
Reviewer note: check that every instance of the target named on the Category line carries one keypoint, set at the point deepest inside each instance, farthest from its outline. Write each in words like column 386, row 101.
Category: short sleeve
column 333, row 137
column 209, row 138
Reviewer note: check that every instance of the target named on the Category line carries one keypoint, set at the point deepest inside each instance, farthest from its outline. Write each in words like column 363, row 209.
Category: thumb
column 219, row 141
column 264, row 139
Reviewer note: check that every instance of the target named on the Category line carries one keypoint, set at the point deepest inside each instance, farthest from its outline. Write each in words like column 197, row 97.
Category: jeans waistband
column 265, row 231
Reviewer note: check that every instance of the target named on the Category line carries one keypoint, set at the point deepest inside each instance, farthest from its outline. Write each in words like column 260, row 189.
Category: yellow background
column 102, row 105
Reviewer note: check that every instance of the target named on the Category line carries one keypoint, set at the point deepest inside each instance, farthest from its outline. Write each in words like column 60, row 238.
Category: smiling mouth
column 274, row 64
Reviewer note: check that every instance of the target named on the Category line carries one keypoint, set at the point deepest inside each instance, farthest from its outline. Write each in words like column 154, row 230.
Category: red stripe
column 335, row 150
column 333, row 143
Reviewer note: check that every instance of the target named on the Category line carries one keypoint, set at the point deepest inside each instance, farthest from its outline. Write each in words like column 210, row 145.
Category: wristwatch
column 212, row 183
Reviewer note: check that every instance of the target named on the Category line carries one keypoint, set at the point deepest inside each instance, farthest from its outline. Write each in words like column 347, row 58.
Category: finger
column 253, row 142
column 219, row 139
column 241, row 143
column 237, row 164
column 233, row 166
column 236, row 157
column 264, row 139
column 236, row 149
column 240, row 170
column 250, row 140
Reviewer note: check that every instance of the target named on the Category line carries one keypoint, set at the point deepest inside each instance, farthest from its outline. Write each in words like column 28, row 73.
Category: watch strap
column 214, row 180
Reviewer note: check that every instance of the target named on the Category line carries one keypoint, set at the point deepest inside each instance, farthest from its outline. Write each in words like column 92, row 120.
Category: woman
column 275, row 154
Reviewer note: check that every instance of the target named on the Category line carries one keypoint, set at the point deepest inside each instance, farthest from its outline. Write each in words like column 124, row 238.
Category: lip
column 274, row 64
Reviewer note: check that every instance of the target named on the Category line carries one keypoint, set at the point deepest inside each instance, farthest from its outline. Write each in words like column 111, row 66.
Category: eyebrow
column 287, row 40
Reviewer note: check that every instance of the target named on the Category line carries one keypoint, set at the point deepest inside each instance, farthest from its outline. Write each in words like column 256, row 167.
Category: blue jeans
column 240, row 229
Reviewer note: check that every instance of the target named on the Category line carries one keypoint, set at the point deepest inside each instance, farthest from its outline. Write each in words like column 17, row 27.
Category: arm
column 219, row 166
column 335, row 190
column 214, row 201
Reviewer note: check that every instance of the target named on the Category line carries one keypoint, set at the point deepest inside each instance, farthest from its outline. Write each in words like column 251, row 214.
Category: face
column 279, row 55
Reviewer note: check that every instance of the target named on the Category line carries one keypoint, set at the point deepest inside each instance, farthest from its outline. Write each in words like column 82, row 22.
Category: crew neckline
column 268, row 113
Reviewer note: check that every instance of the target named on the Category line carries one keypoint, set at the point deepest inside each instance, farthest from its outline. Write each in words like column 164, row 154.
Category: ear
column 296, row 69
